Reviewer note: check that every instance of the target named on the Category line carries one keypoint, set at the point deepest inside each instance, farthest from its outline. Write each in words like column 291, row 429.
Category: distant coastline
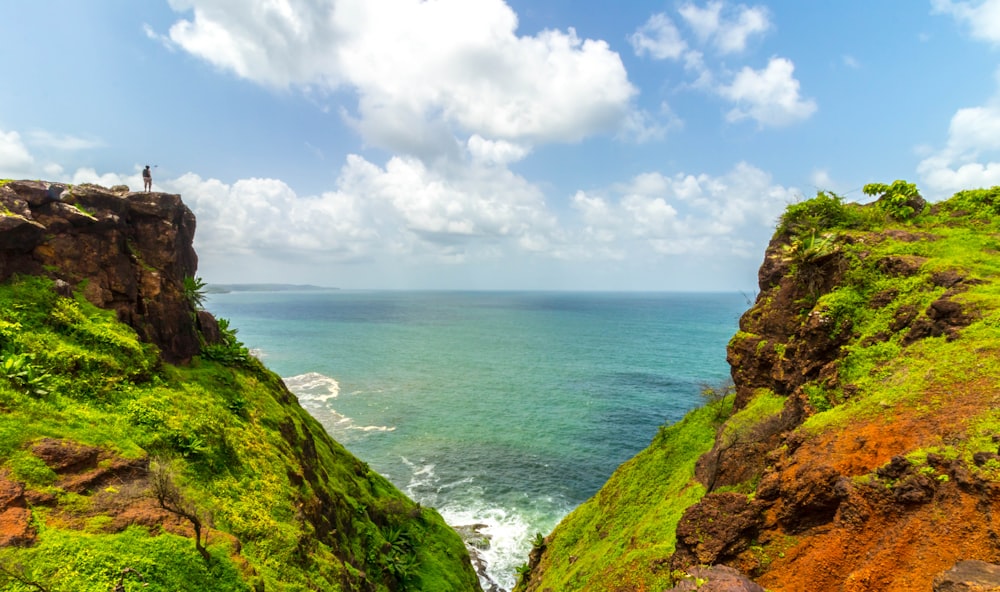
column 227, row 288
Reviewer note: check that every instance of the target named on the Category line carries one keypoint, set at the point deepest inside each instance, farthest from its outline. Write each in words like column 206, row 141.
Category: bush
column 976, row 203
column 826, row 211
column 901, row 200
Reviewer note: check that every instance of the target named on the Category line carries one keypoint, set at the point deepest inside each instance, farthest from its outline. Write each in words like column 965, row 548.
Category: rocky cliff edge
column 129, row 252
column 857, row 448
column 122, row 471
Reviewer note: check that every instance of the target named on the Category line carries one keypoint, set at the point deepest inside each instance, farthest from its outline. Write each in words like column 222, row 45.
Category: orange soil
column 892, row 546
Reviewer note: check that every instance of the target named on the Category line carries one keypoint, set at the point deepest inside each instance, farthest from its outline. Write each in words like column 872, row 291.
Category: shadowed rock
column 128, row 252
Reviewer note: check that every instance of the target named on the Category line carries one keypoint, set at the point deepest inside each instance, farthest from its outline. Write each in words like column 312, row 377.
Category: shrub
column 976, row 203
column 901, row 200
column 826, row 211
column 194, row 291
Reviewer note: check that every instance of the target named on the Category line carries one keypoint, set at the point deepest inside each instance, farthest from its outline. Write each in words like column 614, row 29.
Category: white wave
column 510, row 536
column 510, row 530
column 420, row 476
column 372, row 428
column 315, row 391
column 313, row 386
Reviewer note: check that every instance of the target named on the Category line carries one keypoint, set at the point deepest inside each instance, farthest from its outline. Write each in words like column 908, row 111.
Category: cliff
column 143, row 447
column 857, row 448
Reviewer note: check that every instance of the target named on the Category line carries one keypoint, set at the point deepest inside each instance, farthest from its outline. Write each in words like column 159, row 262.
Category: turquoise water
column 503, row 409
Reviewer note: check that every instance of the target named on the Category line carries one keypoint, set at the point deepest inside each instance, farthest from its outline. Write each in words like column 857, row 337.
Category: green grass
column 85, row 562
column 245, row 455
column 621, row 538
column 618, row 535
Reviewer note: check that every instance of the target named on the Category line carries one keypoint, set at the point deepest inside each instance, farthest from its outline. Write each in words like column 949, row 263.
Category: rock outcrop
column 188, row 463
column 859, row 451
column 129, row 252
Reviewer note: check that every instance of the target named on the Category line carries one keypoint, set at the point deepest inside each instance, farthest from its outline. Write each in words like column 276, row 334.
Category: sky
column 483, row 144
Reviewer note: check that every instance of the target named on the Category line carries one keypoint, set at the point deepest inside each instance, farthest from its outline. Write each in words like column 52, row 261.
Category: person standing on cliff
column 147, row 179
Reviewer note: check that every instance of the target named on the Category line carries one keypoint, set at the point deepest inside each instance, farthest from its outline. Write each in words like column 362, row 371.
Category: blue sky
column 478, row 144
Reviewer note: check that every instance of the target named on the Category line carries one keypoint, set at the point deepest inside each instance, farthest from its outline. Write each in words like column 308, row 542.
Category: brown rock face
column 716, row 529
column 969, row 576
column 128, row 252
column 717, row 578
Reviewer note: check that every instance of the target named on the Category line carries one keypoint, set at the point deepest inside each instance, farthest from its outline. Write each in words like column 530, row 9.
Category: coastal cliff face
column 127, row 252
column 858, row 449
column 121, row 467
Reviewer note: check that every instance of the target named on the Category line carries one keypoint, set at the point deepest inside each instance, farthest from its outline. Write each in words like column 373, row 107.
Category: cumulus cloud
column 685, row 214
column 970, row 157
column 726, row 28
column 423, row 72
column 405, row 213
column 769, row 96
column 973, row 136
column 982, row 18
column 402, row 209
column 15, row 160
column 658, row 38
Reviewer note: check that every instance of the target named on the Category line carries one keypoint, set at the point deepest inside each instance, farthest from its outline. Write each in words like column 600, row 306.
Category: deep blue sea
column 500, row 408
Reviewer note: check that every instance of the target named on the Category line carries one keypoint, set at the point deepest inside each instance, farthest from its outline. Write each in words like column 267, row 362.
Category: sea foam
column 508, row 530
column 316, row 391
column 313, row 386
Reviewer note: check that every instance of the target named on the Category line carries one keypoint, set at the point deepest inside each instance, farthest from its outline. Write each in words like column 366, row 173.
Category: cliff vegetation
column 857, row 448
column 142, row 447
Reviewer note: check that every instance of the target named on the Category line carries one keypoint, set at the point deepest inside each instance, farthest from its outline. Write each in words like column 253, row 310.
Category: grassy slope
column 244, row 454
column 622, row 538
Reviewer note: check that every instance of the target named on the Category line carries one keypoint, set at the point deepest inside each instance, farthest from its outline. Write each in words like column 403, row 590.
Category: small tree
column 715, row 395
column 171, row 499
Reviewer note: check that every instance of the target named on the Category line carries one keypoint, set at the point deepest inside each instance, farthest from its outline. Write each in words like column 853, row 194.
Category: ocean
column 505, row 409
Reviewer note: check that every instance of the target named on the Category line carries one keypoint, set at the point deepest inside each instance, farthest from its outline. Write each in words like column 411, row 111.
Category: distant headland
column 226, row 288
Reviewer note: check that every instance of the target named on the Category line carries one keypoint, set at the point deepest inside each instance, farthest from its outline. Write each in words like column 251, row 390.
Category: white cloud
column 659, row 38
column 495, row 152
column 982, row 18
column 404, row 209
column 729, row 32
column 769, row 96
column 15, row 160
column 406, row 214
column 970, row 157
column 973, row 135
column 424, row 72
column 66, row 142
column 696, row 215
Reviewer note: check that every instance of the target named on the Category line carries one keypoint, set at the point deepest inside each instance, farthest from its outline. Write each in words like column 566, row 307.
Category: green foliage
column 20, row 372
column 821, row 215
column 229, row 350
column 980, row 204
column 77, row 561
column 194, row 292
column 253, row 465
column 818, row 397
column 896, row 200
column 539, row 541
column 816, row 216
column 30, row 469
column 619, row 535
column 718, row 397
